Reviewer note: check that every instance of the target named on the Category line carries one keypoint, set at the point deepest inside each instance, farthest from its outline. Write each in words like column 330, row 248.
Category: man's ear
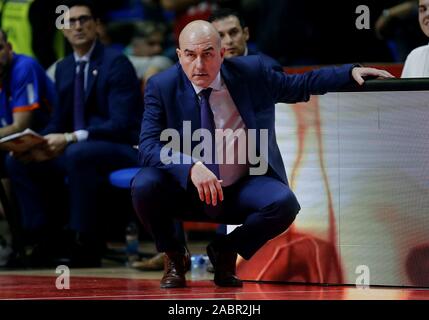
column 246, row 33
column 179, row 53
column 222, row 52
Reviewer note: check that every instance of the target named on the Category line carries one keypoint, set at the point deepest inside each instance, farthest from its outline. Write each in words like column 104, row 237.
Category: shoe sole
column 171, row 286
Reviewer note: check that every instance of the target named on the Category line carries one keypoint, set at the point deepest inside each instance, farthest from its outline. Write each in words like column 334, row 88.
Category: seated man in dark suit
column 189, row 179
column 92, row 132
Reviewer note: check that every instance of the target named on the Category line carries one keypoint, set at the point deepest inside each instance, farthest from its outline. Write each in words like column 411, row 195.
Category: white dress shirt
column 226, row 116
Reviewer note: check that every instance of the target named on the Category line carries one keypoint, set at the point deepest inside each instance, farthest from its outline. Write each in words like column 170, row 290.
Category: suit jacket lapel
column 240, row 95
column 94, row 63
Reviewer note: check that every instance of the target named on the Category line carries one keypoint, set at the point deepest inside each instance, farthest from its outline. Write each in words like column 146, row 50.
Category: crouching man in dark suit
column 92, row 132
column 190, row 179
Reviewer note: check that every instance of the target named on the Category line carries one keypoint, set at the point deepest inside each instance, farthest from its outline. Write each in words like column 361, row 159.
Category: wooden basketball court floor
column 120, row 284
column 115, row 281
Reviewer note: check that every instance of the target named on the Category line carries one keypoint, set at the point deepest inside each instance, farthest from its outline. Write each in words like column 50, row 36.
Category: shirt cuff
column 354, row 65
column 81, row 135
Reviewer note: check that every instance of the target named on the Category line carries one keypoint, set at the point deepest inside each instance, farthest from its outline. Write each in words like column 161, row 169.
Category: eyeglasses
column 82, row 20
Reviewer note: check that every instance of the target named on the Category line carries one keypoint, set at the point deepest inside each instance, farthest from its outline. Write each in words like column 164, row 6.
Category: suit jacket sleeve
column 56, row 122
column 292, row 88
column 154, row 122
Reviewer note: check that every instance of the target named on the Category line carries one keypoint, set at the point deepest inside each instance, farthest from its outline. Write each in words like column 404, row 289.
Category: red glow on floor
column 101, row 288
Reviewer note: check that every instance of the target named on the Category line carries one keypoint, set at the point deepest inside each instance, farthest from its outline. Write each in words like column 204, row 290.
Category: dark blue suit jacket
column 170, row 99
column 267, row 60
column 113, row 99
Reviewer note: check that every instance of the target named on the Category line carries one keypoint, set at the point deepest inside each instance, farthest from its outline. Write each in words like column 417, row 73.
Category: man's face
column 201, row 59
column 424, row 16
column 148, row 46
column 233, row 36
column 5, row 56
column 83, row 27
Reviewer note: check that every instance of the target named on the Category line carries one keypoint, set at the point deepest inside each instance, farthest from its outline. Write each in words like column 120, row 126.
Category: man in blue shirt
column 26, row 99
column 26, row 93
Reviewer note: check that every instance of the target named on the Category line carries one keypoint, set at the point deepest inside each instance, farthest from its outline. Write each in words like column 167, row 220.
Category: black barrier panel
column 409, row 84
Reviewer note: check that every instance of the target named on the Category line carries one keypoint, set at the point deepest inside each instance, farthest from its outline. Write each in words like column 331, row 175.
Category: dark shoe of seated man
column 224, row 262
column 175, row 266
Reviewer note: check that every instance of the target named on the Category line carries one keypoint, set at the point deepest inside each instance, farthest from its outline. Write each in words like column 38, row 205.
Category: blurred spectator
column 92, row 133
column 417, row 63
column 148, row 39
column 399, row 26
column 146, row 50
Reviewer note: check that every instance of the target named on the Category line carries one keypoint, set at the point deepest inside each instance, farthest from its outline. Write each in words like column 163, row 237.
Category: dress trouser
column 264, row 206
column 83, row 168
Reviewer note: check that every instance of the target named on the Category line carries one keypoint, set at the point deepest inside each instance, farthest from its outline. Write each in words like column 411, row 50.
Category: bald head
column 199, row 31
column 200, row 52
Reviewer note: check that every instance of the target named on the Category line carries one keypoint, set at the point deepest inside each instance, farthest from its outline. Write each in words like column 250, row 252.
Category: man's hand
column 207, row 184
column 53, row 146
column 55, row 143
column 359, row 72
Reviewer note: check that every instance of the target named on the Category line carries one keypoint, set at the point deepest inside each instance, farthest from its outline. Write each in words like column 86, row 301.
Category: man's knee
column 78, row 155
column 287, row 206
column 147, row 184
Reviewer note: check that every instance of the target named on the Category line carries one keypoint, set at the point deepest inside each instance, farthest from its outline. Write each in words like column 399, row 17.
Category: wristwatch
column 69, row 137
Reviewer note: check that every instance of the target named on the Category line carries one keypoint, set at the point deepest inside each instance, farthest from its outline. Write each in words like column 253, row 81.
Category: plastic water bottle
column 132, row 243
column 199, row 264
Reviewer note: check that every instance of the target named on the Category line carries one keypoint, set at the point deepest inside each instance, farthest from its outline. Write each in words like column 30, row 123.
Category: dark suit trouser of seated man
column 264, row 206
column 82, row 169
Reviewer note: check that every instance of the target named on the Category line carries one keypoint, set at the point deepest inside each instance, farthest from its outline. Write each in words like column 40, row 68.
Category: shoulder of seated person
column 419, row 50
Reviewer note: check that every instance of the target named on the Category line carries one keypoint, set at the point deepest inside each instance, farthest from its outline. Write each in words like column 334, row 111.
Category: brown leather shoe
column 175, row 266
column 224, row 266
column 156, row 263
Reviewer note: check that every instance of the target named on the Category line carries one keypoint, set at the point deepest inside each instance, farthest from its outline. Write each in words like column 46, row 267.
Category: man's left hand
column 359, row 72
